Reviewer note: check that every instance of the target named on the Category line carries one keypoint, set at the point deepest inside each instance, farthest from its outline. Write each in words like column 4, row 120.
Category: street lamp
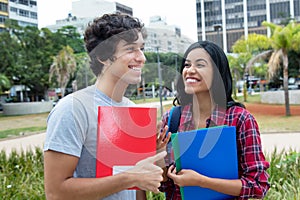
column 218, row 27
column 176, row 56
column 160, row 81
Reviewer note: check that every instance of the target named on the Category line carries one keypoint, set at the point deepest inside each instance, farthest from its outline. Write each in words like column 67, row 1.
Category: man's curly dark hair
column 104, row 33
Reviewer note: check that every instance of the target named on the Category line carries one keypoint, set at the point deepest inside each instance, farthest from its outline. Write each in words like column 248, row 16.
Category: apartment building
column 225, row 21
column 3, row 13
column 23, row 11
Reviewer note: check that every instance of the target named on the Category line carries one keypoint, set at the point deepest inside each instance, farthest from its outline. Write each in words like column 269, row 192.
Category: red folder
column 126, row 135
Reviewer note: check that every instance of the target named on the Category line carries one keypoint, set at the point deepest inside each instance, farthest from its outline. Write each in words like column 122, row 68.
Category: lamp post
column 175, row 56
column 160, row 81
column 86, row 63
column 218, row 27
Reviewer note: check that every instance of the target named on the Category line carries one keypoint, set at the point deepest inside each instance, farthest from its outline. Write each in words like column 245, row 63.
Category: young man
column 115, row 45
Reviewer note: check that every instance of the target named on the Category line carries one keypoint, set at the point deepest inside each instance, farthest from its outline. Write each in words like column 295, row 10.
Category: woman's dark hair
column 104, row 33
column 221, row 76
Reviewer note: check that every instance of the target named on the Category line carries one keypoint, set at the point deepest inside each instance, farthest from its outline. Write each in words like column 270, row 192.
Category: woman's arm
column 252, row 161
column 191, row 178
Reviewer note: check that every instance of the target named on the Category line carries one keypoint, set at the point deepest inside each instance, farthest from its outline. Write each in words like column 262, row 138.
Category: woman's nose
column 191, row 69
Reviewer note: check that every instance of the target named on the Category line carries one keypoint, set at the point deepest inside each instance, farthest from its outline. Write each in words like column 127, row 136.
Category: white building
column 23, row 11
column 84, row 11
column 93, row 8
column 167, row 38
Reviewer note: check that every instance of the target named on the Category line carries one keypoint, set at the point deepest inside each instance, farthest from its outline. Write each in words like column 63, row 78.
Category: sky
column 180, row 13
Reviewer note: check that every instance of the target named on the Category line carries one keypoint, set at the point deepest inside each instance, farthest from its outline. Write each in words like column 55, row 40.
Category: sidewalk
column 270, row 141
column 280, row 141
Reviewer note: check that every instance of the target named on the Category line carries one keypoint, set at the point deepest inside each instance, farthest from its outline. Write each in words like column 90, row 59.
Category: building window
column 3, row 7
column 24, row 2
column 13, row 9
column 23, row 13
column 33, row 15
column 2, row 19
column 33, row 3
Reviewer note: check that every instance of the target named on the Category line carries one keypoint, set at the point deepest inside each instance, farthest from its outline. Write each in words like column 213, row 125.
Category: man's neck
column 114, row 90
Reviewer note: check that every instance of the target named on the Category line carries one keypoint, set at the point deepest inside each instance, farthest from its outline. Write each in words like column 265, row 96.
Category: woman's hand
column 162, row 137
column 186, row 177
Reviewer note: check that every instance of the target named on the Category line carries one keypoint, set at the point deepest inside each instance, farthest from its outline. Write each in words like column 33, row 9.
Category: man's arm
column 60, row 183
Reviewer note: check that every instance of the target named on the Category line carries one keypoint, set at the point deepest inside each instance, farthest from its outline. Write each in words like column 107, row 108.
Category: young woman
column 204, row 93
column 115, row 45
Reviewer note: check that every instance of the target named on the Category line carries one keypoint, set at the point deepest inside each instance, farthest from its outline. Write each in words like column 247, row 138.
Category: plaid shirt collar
column 217, row 118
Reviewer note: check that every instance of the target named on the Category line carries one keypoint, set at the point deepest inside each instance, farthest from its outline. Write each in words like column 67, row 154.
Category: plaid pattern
column 252, row 164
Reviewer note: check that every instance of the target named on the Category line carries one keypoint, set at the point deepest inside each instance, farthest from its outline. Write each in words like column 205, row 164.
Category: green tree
column 237, row 67
column 84, row 75
column 283, row 39
column 25, row 53
column 244, row 48
column 68, row 35
column 63, row 67
column 4, row 83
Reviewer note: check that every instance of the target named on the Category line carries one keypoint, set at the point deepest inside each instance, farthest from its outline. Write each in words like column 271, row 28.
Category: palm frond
column 256, row 58
column 274, row 62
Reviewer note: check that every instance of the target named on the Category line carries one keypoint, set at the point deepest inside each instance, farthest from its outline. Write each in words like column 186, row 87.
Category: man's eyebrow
column 134, row 43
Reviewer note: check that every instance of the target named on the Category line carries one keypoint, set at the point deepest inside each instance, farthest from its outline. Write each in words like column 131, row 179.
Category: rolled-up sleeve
column 253, row 164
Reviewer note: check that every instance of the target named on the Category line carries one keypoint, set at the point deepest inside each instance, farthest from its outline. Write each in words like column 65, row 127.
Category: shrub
column 22, row 176
column 284, row 175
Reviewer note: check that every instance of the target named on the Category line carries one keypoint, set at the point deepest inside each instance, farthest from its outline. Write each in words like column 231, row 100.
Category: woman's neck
column 202, row 109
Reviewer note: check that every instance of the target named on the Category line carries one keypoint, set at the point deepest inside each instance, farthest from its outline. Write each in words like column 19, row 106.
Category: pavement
column 270, row 141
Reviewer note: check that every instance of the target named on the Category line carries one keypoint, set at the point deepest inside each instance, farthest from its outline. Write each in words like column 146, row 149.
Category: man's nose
column 140, row 56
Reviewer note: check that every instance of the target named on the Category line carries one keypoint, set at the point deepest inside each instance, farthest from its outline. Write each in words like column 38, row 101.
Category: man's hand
column 148, row 175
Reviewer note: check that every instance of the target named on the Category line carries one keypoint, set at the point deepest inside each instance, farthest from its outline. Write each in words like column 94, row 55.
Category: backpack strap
column 174, row 119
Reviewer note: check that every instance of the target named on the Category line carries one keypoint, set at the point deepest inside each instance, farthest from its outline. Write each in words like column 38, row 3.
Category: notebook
column 209, row 151
column 126, row 135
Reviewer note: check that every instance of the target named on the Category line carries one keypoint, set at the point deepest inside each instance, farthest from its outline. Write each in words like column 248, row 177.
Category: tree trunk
column 62, row 91
column 285, row 85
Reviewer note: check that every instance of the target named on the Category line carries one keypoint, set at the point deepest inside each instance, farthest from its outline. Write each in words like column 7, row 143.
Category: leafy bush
column 284, row 175
column 22, row 177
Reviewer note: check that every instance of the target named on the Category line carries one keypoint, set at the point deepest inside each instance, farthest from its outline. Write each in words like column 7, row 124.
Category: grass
column 20, row 131
column 13, row 126
column 271, row 124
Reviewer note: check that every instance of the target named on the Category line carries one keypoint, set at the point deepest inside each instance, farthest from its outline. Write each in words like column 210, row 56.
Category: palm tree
column 63, row 66
column 4, row 82
column 283, row 39
column 245, row 48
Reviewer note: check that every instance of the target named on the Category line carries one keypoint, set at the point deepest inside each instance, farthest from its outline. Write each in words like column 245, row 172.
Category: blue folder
column 209, row 151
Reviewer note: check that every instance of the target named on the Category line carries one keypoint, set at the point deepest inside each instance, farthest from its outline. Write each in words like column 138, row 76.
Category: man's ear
column 107, row 62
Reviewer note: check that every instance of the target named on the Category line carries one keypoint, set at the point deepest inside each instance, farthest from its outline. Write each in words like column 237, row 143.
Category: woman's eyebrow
column 201, row 59
column 198, row 60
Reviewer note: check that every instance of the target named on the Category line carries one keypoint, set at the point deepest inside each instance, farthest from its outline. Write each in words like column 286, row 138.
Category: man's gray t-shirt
column 72, row 129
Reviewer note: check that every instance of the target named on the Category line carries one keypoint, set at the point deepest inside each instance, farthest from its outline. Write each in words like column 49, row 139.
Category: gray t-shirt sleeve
column 66, row 127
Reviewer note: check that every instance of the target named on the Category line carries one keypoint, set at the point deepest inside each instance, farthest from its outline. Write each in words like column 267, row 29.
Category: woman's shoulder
column 238, row 110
